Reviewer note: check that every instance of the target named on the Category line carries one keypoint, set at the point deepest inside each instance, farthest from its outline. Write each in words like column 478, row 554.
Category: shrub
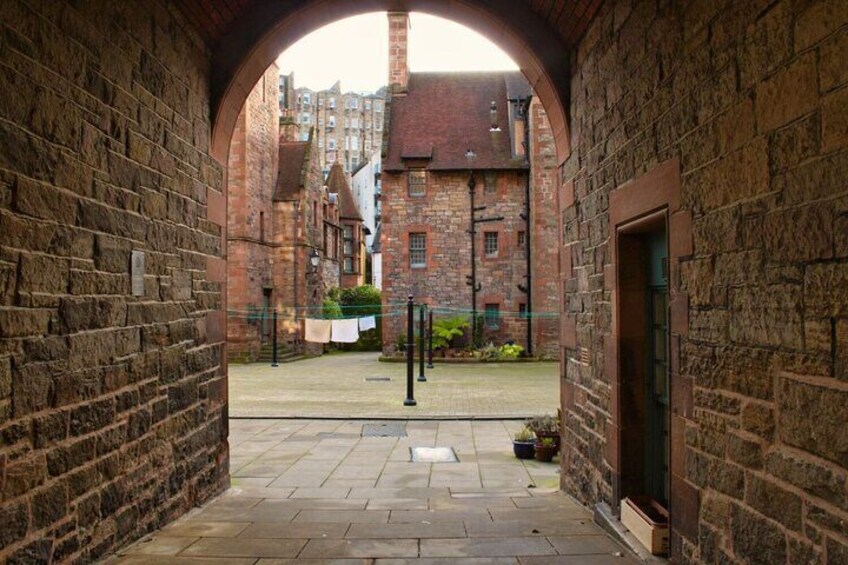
column 446, row 329
column 525, row 435
column 510, row 351
column 332, row 309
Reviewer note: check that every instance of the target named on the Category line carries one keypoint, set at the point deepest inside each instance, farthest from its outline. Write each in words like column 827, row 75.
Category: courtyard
column 357, row 385
column 309, row 491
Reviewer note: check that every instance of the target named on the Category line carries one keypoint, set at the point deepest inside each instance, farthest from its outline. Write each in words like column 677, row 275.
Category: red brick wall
column 298, row 291
column 252, row 176
column 544, row 229
column 444, row 215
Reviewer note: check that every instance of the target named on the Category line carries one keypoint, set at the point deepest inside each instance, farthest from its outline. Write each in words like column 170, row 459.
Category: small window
column 491, row 183
column 522, row 310
column 522, row 239
column 367, row 104
column 331, row 144
column 348, row 264
column 331, row 122
column 493, row 314
column 417, row 180
column 490, row 243
column 262, row 226
column 418, row 250
column 307, row 98
column 332, row 102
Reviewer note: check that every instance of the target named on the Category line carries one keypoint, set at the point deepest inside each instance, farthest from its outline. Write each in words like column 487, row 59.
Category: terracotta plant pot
column 523, row 449
column 553, row 435
column 545, row 453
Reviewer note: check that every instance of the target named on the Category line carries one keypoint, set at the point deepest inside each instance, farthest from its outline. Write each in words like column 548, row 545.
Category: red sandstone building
column 445, row 130
column 281, row 216
column 353, row 229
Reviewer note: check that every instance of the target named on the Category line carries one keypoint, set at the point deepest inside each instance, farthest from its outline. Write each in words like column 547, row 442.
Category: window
column 354, row 143
column 306, row 119
column 348, row 249
column 354, row 103
column 378, row 126
column 307, row 98
column 332, row 102
column 304, row 136
column 522, row 310
column 331, row 144
column 354, row 123
column 331, row 122
column 347, row 122
column 367, row 104
column 417, row 180
column 262, row 226
column 493, row 314
column 321, row 143
column 378, row 107
column 418, row 250
column 491, row 183
column 522, row 239
column 490, row 243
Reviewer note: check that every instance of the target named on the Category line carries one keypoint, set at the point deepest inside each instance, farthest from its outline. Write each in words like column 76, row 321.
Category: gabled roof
column 336, row 182
column 294, row 157
column 445, row 114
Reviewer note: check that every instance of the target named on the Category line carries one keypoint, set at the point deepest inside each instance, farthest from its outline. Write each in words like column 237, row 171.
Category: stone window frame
column 420, row 185
column 417, row 246
column 492, row 322
column 521, row 239
column 491, row 244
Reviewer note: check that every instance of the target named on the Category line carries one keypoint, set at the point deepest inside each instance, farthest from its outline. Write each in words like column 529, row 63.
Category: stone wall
column 251, row 179
column 111, row 405
column 544, row 230
column 299, row 290
column 444, row 215
column 746, row 103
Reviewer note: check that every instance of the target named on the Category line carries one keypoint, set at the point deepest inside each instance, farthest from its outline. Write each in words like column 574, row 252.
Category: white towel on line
column 346, row 331
column 317, row 331
column 367, row 323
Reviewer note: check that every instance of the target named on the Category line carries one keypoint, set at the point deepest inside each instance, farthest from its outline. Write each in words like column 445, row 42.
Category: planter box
column 647, row 521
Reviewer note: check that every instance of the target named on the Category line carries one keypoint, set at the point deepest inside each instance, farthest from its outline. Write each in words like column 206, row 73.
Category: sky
column 355, row 51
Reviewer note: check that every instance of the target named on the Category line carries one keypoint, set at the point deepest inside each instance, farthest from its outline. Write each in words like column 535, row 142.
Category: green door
column 657, row 394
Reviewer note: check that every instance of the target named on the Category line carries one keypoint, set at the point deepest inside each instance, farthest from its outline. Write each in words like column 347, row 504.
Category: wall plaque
column 137, row 273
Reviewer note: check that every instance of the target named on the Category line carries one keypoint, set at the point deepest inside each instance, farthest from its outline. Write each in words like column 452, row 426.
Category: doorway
column 644, row 346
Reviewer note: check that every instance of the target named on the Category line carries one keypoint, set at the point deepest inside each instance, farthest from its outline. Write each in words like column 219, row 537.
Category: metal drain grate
column 378, row 379
column 433, row 455
column 384, row 429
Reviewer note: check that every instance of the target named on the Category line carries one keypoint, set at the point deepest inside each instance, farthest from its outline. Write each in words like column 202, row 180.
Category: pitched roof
column 293, row 160
column 445, row 114
column 336, row 182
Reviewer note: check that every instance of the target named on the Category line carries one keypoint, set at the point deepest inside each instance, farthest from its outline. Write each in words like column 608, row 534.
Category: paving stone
column 553, row 526
column 295, row 530
column 399, row 504
column 349, row 516
column 396, row 531
column 242, row 547
column 585, row 545
column 451, row 561
column 180, row 560
column 434, row 516
column 313, row 504
column 364, row 548
column 486, row 547
column 161, row 545
column 205, row 529
column 321, row 492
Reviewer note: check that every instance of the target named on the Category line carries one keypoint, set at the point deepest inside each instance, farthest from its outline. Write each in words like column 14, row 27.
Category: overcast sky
column 354, row 50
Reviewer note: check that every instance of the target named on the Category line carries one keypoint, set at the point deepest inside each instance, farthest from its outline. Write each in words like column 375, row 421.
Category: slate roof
column 445, row 114
column 336, row 182
column 290, row 175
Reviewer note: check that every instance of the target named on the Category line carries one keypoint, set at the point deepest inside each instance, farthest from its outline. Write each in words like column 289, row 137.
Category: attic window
column 417, row 181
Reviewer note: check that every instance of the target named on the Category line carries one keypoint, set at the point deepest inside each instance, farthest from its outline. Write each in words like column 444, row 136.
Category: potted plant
column 523, row 443
column 545, row 449
column 545, row 427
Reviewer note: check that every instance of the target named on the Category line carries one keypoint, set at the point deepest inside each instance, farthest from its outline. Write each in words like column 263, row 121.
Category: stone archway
column 267, row 29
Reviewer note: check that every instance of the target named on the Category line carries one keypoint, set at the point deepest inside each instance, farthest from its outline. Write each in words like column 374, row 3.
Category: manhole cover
column 378, row 379
column 388, row 429
column 433, row 455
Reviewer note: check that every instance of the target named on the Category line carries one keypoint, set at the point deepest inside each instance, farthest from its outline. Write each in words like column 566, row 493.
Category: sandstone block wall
column 749, row 98
column 111, row 405
column 251, row 225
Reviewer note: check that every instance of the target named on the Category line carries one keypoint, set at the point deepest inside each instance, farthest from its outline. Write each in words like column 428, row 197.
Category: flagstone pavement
column 357, row 385
column 317, row 492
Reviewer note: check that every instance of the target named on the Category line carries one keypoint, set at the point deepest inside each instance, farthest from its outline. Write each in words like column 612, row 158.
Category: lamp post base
column 409, row 402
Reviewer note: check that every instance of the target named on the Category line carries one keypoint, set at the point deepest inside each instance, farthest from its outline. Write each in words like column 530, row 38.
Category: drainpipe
column 528, row 248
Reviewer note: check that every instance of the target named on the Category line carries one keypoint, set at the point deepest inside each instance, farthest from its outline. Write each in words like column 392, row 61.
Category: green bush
column 332, row 309
column 509, row 351
column 445, row 330
column 360, row 301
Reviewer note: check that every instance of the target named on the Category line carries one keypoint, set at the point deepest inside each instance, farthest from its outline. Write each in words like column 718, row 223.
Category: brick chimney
column 398, row 64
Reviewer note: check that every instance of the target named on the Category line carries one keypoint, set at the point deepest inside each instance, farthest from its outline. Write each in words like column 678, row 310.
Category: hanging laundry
column 317, row 331
column 346, row 331
column 367, row 323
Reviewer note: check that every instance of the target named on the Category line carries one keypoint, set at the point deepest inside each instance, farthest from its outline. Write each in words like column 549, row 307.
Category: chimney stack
column 398, row 63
